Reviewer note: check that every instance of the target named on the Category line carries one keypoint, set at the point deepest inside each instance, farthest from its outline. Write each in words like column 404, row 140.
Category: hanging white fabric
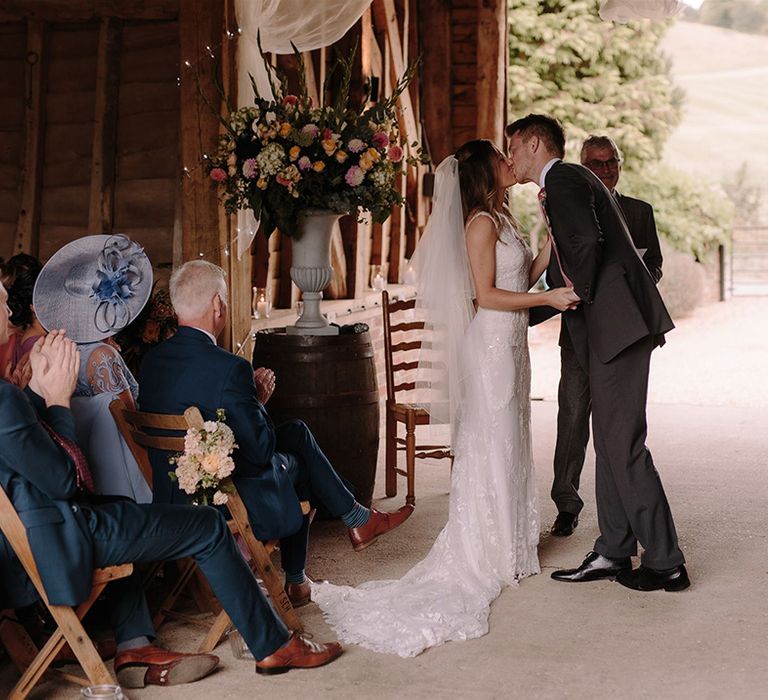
column 309, row 26
column 629, row 10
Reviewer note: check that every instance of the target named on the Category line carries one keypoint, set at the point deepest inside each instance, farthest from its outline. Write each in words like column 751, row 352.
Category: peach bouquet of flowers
column 206, row 462
column 282, row 156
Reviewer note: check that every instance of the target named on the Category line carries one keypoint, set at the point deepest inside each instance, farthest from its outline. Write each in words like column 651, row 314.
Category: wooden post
column 101, row 207
column 491, row 68
column 28, row 224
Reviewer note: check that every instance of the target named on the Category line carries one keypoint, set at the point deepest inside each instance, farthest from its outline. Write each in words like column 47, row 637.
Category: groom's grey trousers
column 631, row 504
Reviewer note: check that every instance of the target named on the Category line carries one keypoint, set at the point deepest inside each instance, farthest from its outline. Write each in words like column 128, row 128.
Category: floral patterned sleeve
column 106, row 372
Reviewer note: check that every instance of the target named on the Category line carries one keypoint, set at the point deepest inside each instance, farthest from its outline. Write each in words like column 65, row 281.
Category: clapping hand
column 265, row 383
column 55, row 363
column 22, row 373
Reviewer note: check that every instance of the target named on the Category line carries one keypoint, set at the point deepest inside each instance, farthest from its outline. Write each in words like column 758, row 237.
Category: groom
column 622, row 318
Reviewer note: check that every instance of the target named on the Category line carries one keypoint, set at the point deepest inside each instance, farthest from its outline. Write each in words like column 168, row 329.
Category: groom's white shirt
column 546, row 169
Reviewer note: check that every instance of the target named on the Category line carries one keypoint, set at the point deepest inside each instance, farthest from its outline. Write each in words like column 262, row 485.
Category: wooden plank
column 385, row 16
column 491, row 68
column 68, row 143
column 161, row 161
column 66, row 205
column 80, row 10
column 200, row 24
column 435, row 70
column 145, row 34
column 100, row 208
column 465, row 115
column 54, row 236
column 465, row 74
column 158, row 64
column 464, row 52
column 73, row 107
column 160, row 99
column 147, row 131
column 69, row 172
column 147, row 202
column 29, row 211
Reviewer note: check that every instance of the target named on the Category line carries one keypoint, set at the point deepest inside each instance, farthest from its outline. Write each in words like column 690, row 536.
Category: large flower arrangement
column 283, row 156
column 206, row 462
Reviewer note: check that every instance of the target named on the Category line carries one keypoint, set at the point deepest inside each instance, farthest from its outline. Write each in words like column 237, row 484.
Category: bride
column 470, row 250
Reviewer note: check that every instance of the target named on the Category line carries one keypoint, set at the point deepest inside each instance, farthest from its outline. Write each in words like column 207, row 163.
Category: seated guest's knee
column 295, row 430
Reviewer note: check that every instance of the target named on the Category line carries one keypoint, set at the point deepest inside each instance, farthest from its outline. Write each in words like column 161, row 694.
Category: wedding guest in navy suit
column 71, row 533
column 275, row 467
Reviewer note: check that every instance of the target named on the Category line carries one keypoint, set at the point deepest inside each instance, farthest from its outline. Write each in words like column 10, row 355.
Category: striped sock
column 358, row 515
column 295, row 578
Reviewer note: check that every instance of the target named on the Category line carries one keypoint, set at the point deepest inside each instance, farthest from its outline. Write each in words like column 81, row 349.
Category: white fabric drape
column 628, row 10
column 309, row 26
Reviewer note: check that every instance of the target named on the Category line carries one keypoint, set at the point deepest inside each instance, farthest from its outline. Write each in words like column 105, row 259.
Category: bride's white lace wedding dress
column 491, row 537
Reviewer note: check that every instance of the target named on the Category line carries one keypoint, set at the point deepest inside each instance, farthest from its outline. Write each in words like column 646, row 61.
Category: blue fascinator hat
column 93, row 287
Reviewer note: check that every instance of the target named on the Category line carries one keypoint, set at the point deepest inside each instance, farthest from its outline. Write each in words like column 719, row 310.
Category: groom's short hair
column 193, row 286
column 547, row 128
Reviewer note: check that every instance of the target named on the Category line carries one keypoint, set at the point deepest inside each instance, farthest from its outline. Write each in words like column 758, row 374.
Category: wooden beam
column 491, row 68
column 28, row 221
column 436, row 70
column 200, row 25
column 84, row 10
column 386, row 17
column 101, row 207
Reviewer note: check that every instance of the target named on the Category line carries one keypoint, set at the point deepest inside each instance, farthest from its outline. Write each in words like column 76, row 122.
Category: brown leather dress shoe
column 151, row 665
column 106, row 649
column 377, row 524
column 298, row 652
column 300, row 593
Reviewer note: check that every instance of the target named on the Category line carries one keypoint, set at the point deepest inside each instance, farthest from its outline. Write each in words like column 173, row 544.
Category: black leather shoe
column 565, row 524
column 593, row 568
column 644, row 579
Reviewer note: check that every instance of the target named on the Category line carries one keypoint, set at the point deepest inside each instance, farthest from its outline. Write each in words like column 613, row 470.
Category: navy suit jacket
column 190, row 370
column 39, row 478
column 620, row 301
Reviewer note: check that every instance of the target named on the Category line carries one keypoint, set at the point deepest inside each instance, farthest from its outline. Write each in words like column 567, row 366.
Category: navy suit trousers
column 315, row 480
column 124, row 532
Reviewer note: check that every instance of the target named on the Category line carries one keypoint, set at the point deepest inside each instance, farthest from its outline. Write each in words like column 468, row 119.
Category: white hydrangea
column 271, row 160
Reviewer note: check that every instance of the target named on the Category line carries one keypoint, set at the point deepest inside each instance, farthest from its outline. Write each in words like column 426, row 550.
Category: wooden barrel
column 329, row 382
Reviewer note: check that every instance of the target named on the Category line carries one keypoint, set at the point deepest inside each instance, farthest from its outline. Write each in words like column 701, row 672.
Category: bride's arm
column 481, row 248
column 540, row 263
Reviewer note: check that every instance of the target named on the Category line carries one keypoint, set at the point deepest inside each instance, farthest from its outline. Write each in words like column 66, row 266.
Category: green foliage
column 602, row 78
column 749, row 16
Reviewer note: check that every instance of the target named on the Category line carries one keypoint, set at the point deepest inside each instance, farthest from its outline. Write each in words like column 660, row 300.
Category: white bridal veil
column 445, row 294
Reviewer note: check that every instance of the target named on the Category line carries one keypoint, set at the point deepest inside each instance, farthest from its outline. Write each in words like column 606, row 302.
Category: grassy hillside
column 725, row 76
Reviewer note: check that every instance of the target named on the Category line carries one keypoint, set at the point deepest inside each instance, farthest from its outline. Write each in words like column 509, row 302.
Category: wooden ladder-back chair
column 133, row 425
column 68, row 620
column 404, row 336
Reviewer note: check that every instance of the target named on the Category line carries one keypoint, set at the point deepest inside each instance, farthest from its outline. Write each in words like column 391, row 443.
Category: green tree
column 597, row 77
column 749, row 16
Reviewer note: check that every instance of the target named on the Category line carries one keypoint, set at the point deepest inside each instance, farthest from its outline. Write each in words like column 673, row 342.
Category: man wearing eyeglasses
column 601, row 155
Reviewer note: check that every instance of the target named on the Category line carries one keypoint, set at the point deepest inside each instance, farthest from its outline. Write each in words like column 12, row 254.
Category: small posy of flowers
column 284, row 156
column 206, row 462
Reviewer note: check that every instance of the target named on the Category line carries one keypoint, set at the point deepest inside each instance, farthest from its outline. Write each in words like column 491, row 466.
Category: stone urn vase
column 311, row 269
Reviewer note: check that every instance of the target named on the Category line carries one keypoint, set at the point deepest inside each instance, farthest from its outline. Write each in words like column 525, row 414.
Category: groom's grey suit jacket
column 620, row 301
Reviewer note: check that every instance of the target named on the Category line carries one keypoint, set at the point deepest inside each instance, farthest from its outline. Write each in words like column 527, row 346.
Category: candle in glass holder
column 262, row 304
column 409, row 276
column 377, row 278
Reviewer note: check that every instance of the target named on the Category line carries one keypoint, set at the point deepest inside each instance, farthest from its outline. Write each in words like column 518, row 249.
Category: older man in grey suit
column 602, row 156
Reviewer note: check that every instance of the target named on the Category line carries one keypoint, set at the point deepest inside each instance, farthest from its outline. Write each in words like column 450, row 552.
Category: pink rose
column 218, row 175
column 290, row 100
column 311, row 130
column 395, row 153
column 249, row 168
column 380, row 140
column 304, row 163
column 354, row 176
column 355, row 146
column 327, row 134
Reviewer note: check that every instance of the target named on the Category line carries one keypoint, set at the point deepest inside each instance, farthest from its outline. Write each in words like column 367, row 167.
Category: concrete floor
column 708, row 427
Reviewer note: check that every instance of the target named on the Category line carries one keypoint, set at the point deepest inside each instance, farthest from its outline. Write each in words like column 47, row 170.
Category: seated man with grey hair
column 602, row 156
column 275, row 467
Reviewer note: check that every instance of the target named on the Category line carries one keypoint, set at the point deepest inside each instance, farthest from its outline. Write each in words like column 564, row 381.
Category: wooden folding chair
column 404, row 336
column 68, row 620
column 133, row 425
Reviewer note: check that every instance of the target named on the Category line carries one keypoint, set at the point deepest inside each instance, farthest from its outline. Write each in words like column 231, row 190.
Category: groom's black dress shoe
column 593, row 568
column 645, row 579
column 565, row 524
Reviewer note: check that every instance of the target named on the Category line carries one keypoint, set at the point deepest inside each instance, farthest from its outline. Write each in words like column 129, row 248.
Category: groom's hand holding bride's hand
column 562, row 298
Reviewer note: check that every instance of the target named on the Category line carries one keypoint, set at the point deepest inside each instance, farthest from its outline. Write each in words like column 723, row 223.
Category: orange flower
column 318, row 166
column 294, row 153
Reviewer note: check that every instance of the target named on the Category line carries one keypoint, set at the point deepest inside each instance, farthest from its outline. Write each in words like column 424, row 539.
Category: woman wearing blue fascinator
column 93, row 288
